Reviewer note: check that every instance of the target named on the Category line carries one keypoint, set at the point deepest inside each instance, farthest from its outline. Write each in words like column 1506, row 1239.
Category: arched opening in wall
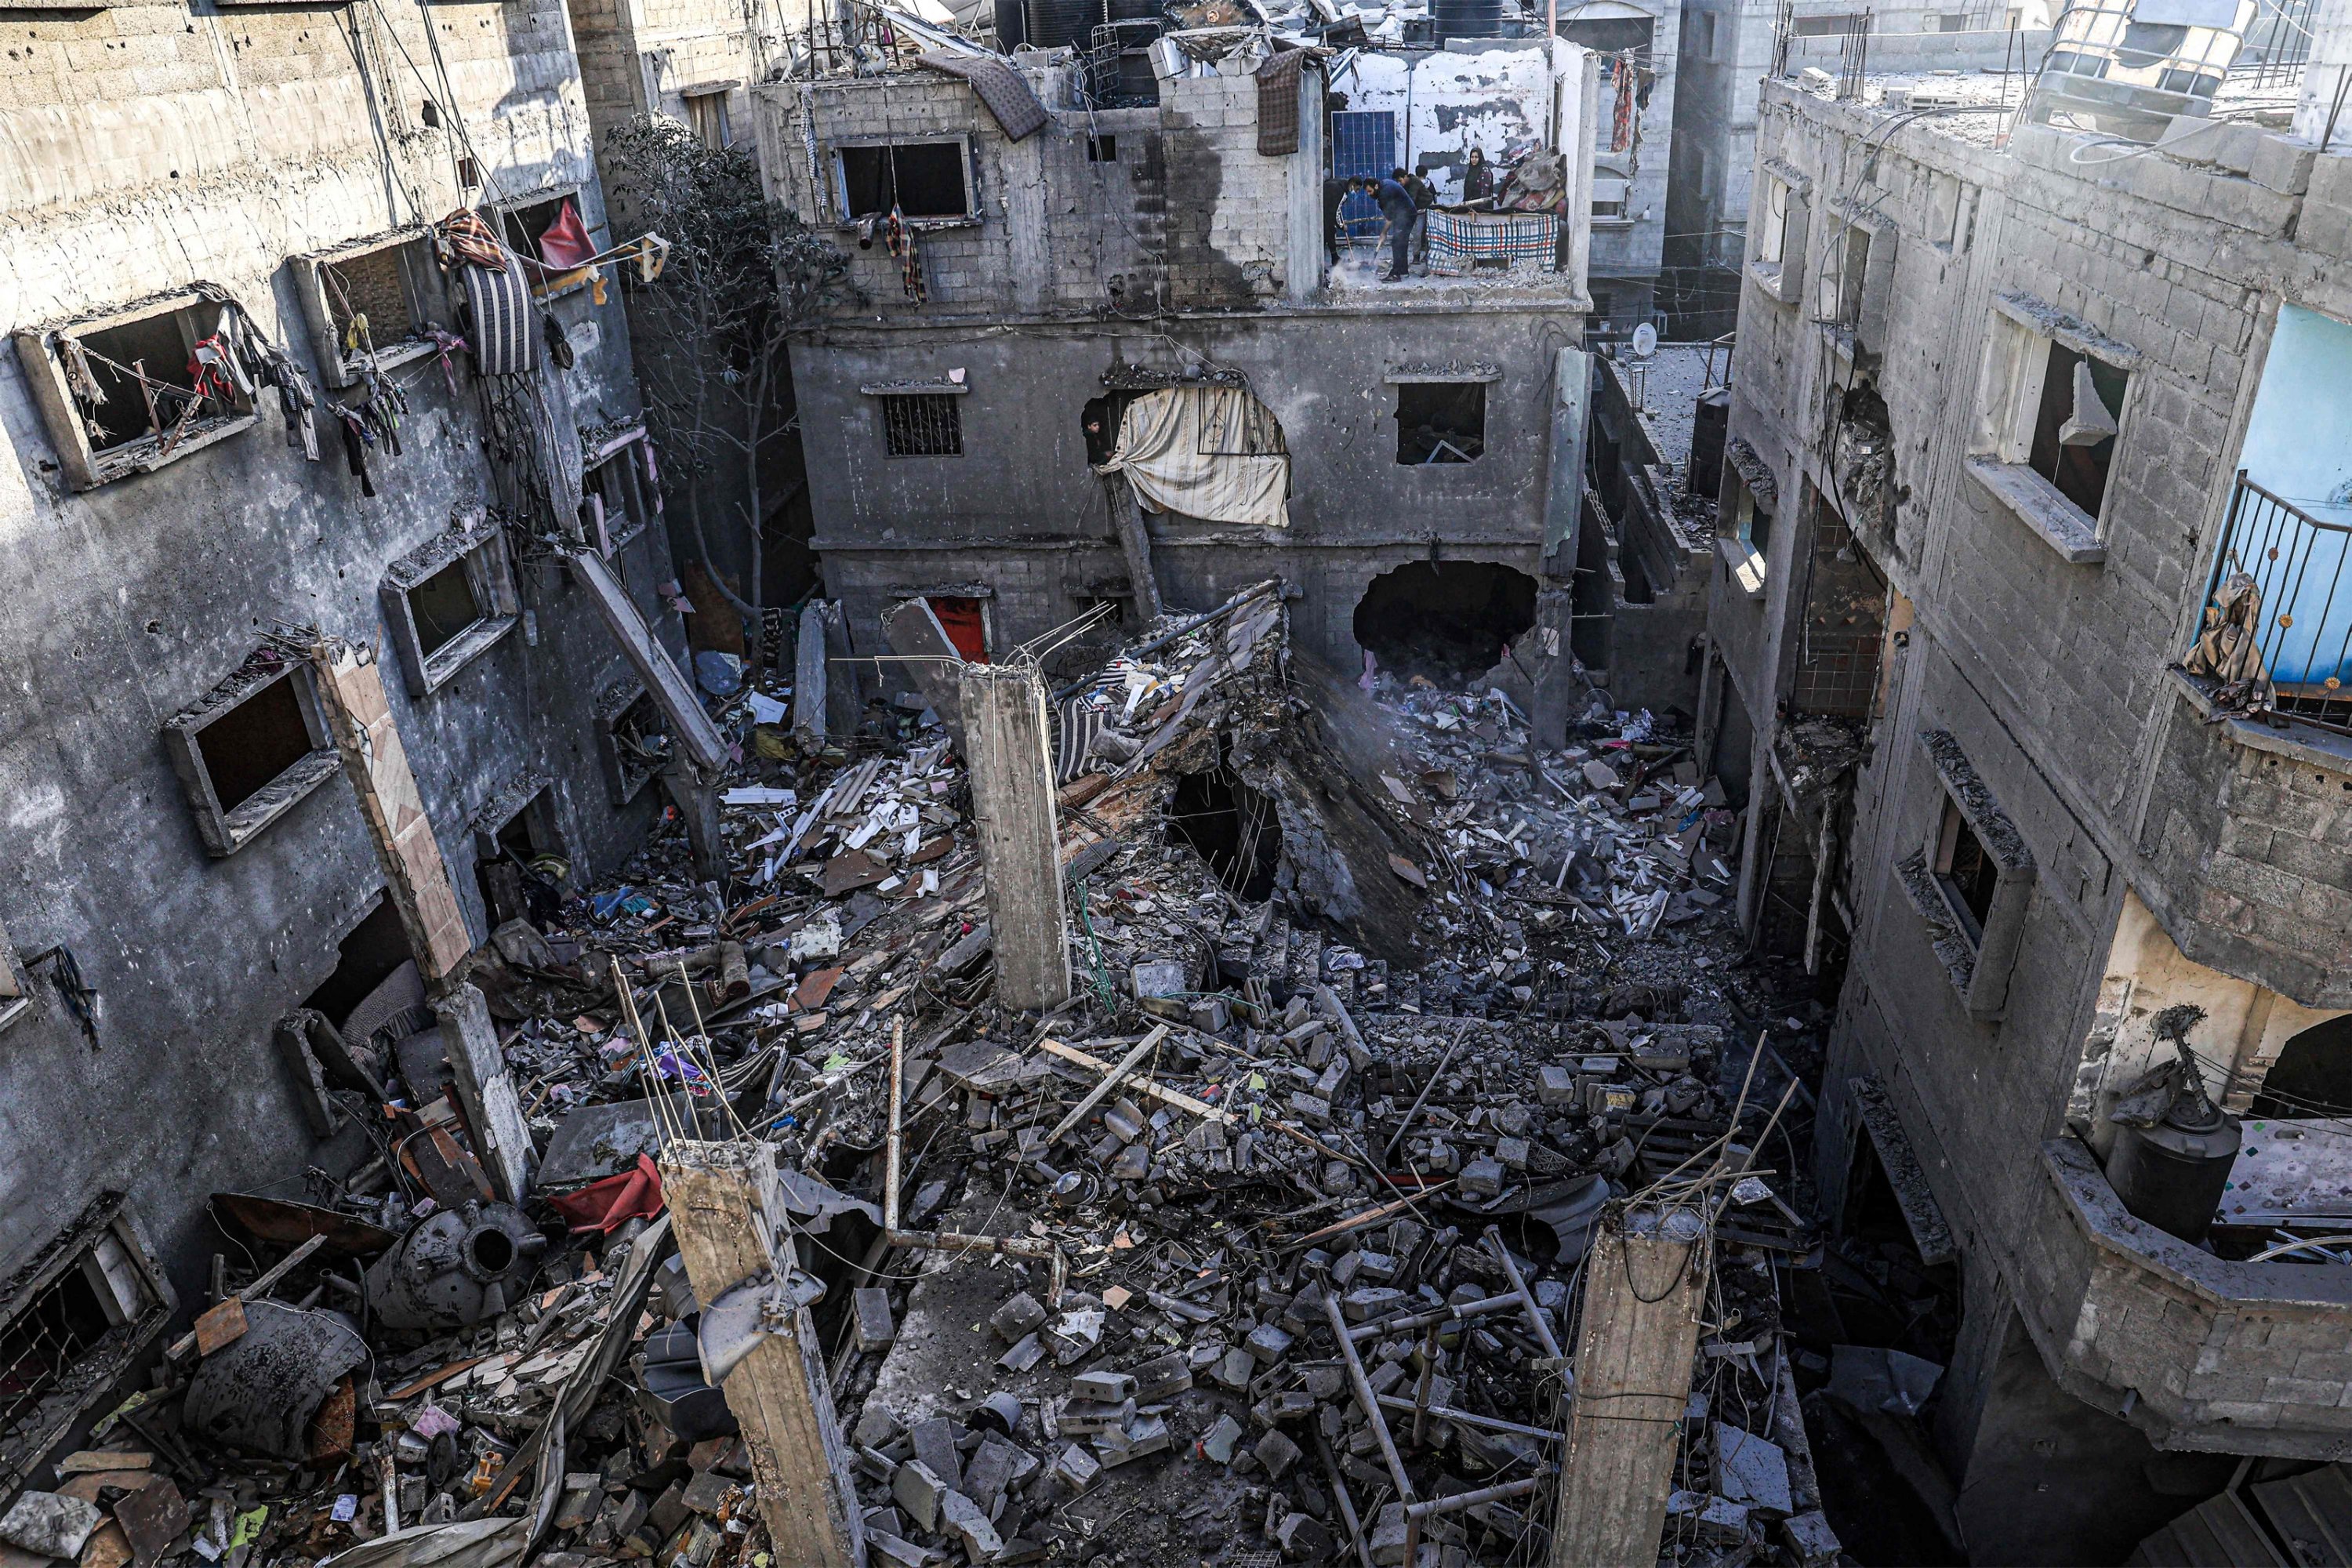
column 2313, row 1074
column 1233, row 826
column 1448, row 620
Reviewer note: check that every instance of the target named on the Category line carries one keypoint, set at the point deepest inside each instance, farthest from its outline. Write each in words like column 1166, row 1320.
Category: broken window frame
column 625, row 709
column 1856, row 276
column 837, row 172
column 225, row 831
column 620, row 460
column 1776, row 264
column 480, row 542
column 86, row 466
column 323, row 311
column 2010, row 389
column 1745, row 558
column 110, row 1252
column 1979, row 956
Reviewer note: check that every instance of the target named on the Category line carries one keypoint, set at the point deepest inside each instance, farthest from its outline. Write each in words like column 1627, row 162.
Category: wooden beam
column 725, row 1206
column 1644, row 1286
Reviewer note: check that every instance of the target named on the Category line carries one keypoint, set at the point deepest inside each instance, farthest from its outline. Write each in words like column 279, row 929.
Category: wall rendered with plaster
column 151, row 148
column 2051, row 676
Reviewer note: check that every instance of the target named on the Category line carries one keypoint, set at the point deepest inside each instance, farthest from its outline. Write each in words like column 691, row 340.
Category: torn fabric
column 1277, row 102
column 1208, row 452
column 1004, row 91
column 605, row 1206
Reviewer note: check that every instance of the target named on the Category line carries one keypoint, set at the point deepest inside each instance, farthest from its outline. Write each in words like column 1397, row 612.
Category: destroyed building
column 2027, row 641
column 1108, row 360
column 302, row 696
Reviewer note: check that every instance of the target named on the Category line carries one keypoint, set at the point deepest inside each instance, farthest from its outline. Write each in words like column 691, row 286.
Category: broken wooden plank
column 255, row 1292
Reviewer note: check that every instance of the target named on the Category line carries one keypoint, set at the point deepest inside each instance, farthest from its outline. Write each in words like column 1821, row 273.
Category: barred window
column 921, row 424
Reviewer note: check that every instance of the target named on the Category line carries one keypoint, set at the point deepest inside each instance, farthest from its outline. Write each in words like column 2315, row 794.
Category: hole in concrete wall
column 513, row 888
column 1448, row 620
column 444, row 606
column 523, row 225
column 1233, row 826
column 253, row 741
column 965, row 621
column 1441, row 421
column 61, row 1348
column 365, row 959
column 921, row 179
column 1102, row 149
column 2313, row 1075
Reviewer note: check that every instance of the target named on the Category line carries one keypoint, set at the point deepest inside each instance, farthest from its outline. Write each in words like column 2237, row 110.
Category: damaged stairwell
column 733, row 1215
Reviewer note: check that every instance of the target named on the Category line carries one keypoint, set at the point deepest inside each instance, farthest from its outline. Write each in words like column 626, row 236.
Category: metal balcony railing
column 2304, row 627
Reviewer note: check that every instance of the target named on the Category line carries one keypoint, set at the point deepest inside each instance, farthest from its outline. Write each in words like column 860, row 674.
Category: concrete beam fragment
column 932, row 661
column 477, row 1064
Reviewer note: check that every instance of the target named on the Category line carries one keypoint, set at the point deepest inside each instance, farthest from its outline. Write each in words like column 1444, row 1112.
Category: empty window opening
column 1965, row 872
column 1441, row 421
column 2073, row 443
column 372, row 284
column 707, row 113
column 1449, row 620
column 618, row 497
column 430, row 113
column 921, row 179
column 1842, row 292
column 922, row 424
column 1102, row 149
column 444, row 606
column 250, row 745
column 364, row 959
column 1235, row 828
column 2313, row 1074
column 1826, row 27
column 1755, row 520
column 161, row 349
column 965, row 622
column 64, row 1341
column 630, row 739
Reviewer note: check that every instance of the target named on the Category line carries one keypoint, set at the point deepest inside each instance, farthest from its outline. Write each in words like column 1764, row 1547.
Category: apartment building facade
column 2008, row 421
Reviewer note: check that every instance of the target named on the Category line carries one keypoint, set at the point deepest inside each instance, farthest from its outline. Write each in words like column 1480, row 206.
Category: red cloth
column 605, row 1206
column 959, row 619
column 566, row 245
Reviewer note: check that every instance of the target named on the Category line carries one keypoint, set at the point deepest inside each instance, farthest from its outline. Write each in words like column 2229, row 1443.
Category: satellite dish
column 1645, row 341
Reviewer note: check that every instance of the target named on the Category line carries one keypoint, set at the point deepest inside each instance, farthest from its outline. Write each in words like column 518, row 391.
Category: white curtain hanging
column 1209, row 452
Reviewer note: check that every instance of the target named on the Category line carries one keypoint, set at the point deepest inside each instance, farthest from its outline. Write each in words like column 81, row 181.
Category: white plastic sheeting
column 1209, row 452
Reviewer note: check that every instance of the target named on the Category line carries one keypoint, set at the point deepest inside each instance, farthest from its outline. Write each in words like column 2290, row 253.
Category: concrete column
column 1020, row 844
column 351, row 688
column 469, row 1039
column 697, row 799
column 808, row 674
column 1644, row 1287
column 1135, row 544
column 724, row 1205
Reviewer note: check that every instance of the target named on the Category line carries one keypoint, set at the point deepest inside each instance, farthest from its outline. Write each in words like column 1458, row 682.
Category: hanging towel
column 464, row 232
column 1277, row 102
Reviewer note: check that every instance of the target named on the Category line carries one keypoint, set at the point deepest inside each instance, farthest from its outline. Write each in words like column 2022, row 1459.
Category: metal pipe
column 1386, row 1326
column 1415, row 1512
column 897, row 1093
column 1367, row 1398
column 1460, row 1035
column 1494, row 1238
column 1471, row 1418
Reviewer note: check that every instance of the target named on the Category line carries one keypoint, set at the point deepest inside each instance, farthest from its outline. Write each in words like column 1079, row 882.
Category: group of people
column 1404, row 199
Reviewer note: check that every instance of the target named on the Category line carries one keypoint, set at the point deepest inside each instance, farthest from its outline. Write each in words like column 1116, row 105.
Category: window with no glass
column 447, row 601
column 249, row 749
column 1966, row 875
column 921, row 424
column 707, row 113
column 1441, row 421
column 2053, row 403
column 921, row 179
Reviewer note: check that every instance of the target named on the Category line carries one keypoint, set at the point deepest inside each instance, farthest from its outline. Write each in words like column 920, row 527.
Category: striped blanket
column 1458, row 240
column 505, row 326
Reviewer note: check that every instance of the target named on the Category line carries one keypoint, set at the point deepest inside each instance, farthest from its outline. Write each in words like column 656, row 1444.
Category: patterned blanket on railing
column 1458, row 240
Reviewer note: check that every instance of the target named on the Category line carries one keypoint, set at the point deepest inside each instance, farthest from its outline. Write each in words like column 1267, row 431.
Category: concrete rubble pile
column 1265, row 1246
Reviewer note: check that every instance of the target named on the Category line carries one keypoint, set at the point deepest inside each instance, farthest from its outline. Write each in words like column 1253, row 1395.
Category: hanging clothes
column 355, row 448
column 566, row 246
column 901, row 241
column 1621, row 122
column 474, row 241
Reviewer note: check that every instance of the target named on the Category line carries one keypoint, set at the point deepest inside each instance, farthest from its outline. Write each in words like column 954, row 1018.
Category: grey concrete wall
column 155, row 149
column 1022, row 511
column 2050, row 675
